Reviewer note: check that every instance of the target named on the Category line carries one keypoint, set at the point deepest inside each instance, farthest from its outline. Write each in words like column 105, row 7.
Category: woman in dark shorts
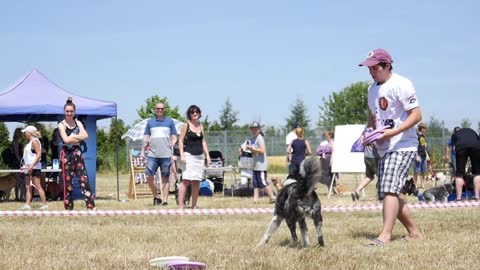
column 32, row 154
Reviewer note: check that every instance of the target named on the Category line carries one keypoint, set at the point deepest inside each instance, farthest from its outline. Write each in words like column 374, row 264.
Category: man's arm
column 145, row 143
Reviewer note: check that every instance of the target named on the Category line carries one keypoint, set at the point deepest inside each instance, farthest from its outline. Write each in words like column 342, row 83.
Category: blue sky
column 261, row 54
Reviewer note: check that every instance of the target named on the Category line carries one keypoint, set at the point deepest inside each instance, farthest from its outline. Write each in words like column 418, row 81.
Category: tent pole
column 116, row 159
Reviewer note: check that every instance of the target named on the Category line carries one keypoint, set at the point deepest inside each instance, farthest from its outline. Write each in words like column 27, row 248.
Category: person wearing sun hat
column 392, row 97
column 259, row 152
column 32, row 154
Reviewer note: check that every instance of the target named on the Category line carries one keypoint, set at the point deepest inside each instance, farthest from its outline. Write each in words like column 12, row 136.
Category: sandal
column 375, row 243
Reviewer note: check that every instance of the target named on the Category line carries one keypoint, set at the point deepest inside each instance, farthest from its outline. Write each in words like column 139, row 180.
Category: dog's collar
column 289, row 181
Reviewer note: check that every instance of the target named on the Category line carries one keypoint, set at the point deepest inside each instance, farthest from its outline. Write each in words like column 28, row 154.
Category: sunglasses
column 194, row 111
column 160, row 109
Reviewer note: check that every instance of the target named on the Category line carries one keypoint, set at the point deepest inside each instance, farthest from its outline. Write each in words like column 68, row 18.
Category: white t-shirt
column 392, row 100
column 290, row 137
column 29, row 157
column 260, row 160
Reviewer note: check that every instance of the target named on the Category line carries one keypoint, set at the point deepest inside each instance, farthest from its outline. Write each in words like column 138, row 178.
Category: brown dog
column 7, row 183
column 277, row 183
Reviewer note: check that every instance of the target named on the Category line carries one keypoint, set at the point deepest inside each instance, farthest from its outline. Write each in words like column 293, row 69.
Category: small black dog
column 438, row 193
column 296, row 200
column 409, row 188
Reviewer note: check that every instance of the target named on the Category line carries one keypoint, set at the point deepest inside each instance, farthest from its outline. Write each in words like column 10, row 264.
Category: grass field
column 452, row 238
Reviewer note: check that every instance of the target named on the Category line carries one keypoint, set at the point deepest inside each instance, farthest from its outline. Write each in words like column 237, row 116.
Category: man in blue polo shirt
column 159, row 138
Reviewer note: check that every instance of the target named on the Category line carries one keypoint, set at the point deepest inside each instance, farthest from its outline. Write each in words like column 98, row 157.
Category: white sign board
column 343, row 160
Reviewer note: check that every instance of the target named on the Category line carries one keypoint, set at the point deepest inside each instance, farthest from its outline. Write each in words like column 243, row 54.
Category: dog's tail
column 310, row 171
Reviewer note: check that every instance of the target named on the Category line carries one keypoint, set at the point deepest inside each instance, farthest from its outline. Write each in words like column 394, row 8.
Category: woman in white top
column 32, row 154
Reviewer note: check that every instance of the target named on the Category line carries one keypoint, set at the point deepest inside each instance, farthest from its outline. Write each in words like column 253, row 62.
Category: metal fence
column 228, row 142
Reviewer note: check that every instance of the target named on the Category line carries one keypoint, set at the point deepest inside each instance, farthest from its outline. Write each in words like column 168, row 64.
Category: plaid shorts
column 393, row 171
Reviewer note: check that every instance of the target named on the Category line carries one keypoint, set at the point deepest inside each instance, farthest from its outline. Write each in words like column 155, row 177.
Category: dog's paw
column 321, row 243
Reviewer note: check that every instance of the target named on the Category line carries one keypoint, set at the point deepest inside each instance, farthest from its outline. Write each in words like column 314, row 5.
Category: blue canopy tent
column 36, row 98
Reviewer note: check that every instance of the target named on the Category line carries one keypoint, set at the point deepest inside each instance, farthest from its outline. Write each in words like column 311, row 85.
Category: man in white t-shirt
column 393, row 97
column 292, row 135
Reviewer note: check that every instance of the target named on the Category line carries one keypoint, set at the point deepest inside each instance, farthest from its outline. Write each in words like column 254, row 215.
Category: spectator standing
column 297, row 150
column 450, row 156
column 421, row 158
column 259, row 152
column 193, row 152
column 17, row 146
column 467, row 145
column 32, row 168
column 44, row 146
column 73, row 134
column 159, row 139
column 44, row 143
column 324, row 151
column 54, row 146
column 292, row 135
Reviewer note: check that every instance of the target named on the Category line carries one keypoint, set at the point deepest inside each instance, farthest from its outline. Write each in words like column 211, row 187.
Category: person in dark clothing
column 421, row 157
column 193, row 153
column 467, row 145
column 17, row 146
column 54, row 146
column 44, row 144
column 297, row 150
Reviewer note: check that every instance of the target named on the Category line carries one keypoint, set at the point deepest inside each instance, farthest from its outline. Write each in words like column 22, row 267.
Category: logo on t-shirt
column 383, row 103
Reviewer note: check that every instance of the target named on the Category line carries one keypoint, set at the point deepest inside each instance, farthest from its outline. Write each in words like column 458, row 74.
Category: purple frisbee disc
column 184, row 265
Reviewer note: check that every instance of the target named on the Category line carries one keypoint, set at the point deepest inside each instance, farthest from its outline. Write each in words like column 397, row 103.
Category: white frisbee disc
column 163, row 261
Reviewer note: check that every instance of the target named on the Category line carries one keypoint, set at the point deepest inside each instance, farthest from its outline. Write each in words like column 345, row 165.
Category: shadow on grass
column 299, row 244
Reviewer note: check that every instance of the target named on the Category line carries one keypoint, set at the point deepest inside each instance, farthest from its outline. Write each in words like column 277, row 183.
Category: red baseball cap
column 377, row 56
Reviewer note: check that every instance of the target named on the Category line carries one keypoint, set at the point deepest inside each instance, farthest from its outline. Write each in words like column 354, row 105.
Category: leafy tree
column 103, row 149
column 215, row 126
column 349, row 106
column 148, row 110
column 436, row 145
column 270, row 131
column 117, row 129
column 465, row 123
column 298, row 115
column 4, row 136
column 436, row 127
column 228, row 117
column 206, row 123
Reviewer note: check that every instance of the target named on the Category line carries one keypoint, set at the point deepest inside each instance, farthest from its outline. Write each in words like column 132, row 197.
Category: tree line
column 347, row 106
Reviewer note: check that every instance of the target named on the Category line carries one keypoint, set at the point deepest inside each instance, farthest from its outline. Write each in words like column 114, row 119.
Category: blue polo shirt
column 160, row 131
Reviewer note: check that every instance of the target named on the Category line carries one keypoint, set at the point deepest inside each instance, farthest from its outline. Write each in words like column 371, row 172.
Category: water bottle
column 55, row 164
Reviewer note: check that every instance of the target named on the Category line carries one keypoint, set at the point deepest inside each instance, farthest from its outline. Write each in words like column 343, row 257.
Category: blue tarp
column 36, row 98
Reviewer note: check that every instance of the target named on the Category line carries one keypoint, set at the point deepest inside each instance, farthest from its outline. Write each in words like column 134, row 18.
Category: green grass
column 229, row 242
